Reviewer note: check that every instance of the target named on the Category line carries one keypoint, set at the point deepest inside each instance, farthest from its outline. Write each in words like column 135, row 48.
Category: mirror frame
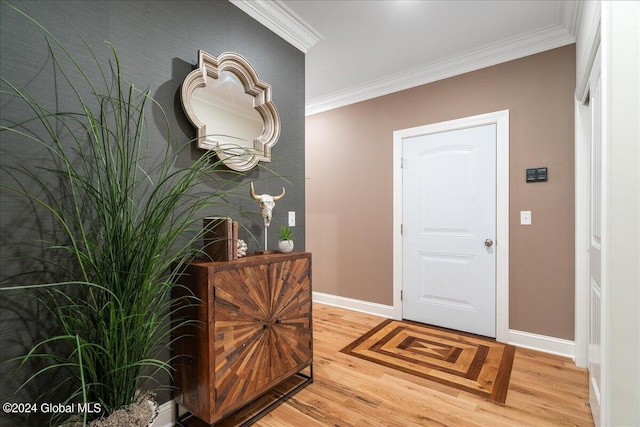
column 210, row 66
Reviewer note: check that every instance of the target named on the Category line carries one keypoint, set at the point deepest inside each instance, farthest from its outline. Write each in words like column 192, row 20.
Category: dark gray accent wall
column 157, row 43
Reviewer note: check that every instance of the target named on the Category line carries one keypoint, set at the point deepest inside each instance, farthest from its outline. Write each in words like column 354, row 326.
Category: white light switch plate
column 525, row 217
column 292, row 219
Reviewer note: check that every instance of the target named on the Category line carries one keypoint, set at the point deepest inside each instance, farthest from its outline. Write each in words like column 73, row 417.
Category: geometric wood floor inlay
column 466, row 362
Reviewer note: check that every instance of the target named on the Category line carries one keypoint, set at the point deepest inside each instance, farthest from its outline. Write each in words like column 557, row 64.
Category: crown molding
column 509, row 50
column 283, row 21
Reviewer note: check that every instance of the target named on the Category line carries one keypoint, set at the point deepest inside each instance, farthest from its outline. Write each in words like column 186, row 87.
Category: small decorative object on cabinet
column 250, row 346
column 285, row 244
column 220, row 238
column 266, row 202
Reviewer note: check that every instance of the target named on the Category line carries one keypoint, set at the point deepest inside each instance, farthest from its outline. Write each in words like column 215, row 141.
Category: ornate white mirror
column 231, row 109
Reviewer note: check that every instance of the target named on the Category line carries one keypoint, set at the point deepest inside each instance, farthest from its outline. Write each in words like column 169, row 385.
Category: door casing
column 597, row 213
column 501, row 120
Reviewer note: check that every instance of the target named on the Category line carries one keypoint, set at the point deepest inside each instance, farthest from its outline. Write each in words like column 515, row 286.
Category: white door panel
column 449, row 210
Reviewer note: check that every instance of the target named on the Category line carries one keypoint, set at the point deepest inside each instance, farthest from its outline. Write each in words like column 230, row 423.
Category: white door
column 449, row 229
column 595, row 242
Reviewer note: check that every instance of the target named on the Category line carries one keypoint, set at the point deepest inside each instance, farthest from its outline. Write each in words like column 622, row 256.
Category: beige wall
column 349, row 188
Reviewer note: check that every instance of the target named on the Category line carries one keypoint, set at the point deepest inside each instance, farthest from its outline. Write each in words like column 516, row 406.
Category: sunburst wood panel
column 466, row 362
column 262, row 327
column 291, row 311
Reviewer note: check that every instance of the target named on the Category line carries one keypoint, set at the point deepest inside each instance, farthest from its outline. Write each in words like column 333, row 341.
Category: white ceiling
column 357, row 49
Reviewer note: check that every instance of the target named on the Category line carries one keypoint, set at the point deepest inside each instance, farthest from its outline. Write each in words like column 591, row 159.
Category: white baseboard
column 354, row 304
column 543, row 343
column 166, row 415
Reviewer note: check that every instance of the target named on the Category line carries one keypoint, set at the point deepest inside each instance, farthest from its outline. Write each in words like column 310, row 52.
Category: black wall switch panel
column 537, row 175
column 541, row 174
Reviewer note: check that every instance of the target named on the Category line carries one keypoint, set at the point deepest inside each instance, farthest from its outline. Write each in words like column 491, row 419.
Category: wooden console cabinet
column 252, row 331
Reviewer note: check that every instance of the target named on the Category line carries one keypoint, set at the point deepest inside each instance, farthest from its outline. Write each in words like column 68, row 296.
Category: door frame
column 501, row 120
column 582, row 183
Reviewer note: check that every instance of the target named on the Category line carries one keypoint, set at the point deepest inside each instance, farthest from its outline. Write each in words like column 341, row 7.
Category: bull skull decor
column 266, row 202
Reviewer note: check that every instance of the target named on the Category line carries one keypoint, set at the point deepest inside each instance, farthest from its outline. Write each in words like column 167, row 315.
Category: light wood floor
column 545, row 390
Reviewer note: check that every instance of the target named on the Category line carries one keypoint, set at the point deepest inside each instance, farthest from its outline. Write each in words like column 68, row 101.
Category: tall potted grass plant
column 125, row 220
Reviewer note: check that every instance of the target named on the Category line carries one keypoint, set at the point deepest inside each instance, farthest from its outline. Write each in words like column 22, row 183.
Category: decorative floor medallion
column 466, row 362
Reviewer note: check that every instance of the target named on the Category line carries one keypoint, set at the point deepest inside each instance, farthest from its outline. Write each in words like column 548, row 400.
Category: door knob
column 488, row 243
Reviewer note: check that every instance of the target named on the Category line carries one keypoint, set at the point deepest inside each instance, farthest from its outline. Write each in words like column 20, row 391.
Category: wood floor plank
column 544, row 390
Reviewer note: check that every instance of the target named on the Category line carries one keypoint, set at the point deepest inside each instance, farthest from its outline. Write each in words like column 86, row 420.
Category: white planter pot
column 285, row 246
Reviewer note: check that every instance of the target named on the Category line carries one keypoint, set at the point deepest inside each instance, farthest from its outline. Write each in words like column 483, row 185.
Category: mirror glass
column 224, row 106
column 232, row 110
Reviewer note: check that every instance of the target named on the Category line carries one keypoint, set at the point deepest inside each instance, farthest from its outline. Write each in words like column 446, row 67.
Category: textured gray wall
column 157, row 42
